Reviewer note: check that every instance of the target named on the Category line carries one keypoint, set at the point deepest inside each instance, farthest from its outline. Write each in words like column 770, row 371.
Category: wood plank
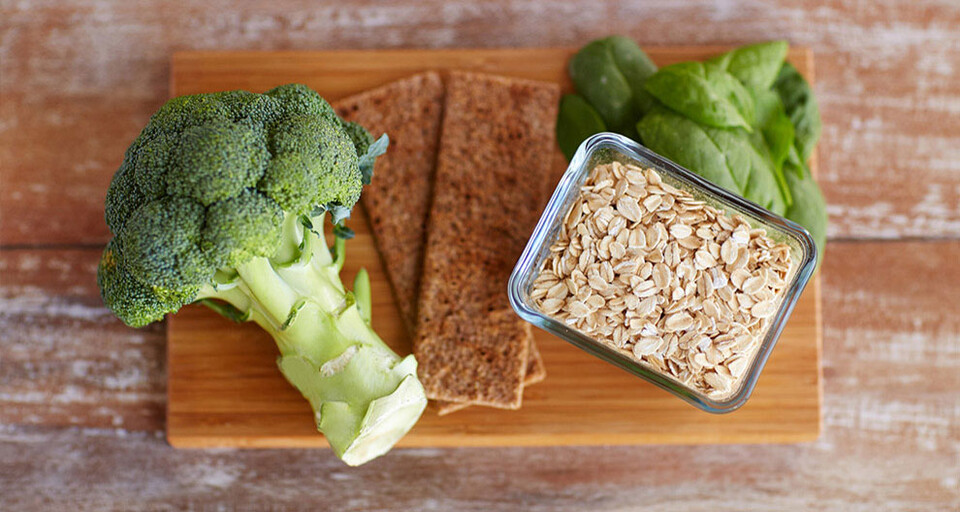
column 76, row 89
column 64, row 358
column 890, row 439
column 224, row 389
column 891, row 418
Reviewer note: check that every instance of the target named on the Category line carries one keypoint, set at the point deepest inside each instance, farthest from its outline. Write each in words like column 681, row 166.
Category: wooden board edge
column 179, row 58
column 798, row 51
column 194, row 442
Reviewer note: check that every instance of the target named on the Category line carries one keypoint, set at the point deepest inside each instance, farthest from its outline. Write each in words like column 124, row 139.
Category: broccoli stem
column 363, row 395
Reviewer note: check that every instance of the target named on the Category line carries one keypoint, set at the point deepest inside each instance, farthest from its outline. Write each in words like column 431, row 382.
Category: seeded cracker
column 493, row 170
column 536, row 372
column 398, row 198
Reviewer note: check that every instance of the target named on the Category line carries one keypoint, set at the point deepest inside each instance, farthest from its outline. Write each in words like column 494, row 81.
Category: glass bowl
column 608, row 147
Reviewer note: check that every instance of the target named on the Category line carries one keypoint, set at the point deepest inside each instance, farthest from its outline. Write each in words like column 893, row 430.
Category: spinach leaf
column 576, row 121
column 610, row 74
column 796, row 163
column 773, row 122
column 756, row 65
column 767, row 186
column 777, row 134
column 728, row 157
column 801, row 106
column 636, row 67
column 688, row 144
column 809, row 208
column 705, row 93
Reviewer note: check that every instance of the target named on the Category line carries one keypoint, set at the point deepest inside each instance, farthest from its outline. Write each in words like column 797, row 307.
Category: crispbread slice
column 536, row 372
column 397, row 200
column 493, row 168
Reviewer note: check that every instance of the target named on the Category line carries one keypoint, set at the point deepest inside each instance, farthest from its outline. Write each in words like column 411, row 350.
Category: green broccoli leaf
column 226, row 310
column 377, row 148
column 338, row 212
column 342, row 231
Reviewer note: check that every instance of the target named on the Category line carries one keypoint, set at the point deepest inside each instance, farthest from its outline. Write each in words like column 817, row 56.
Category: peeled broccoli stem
column 363, row 395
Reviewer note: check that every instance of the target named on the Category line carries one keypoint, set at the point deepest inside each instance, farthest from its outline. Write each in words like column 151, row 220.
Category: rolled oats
column 677, row 284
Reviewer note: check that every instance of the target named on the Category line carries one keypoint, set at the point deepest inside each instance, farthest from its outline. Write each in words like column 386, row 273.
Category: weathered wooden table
column 82, row 396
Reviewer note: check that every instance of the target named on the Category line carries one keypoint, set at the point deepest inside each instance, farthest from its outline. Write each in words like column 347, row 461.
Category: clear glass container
column 605, row 148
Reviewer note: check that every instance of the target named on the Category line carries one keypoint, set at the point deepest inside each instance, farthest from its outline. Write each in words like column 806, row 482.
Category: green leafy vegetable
column 776, row 127
column 756, row 65
column 744, row 120
column 809, row 208
column 705, row 93
column 221, row 200
column 687, row 143
column 777, row 132
column 610, row 73
column 727, row 157
column 576, row 121
column 793, row 157
column 801, row 106
column 766, row 186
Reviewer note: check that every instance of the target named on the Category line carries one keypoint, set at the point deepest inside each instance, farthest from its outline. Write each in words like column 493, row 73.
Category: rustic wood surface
column 82, row 397
column 215, row 400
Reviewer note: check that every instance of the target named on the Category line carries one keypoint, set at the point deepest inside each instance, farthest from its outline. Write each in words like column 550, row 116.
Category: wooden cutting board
column 224, row 389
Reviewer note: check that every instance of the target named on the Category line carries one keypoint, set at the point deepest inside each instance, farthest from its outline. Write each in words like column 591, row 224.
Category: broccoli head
column 211, row 177
column 220, row 200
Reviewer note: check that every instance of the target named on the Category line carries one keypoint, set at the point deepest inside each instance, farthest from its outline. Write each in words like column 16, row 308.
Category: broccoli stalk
column 364, row 396
column 222, row 199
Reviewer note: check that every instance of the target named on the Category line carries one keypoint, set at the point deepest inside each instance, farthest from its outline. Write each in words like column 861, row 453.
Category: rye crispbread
column 410, row 111
column 536, row 372
column 397, row 200
column 493, row 169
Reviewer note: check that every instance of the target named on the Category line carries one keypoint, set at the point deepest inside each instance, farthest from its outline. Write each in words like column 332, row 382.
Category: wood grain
column 890, row 438
column 78, row 80
column 224, row 389
column 64, row 359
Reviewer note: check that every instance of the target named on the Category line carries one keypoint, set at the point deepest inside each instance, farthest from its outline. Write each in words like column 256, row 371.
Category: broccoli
column 221, row 199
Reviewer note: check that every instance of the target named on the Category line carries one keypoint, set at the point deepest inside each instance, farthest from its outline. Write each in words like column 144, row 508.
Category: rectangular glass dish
column 609, row 147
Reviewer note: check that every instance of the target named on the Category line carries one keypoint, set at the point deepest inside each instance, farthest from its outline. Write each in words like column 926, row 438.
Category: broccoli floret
column 220, row 200
column 316, row 164
column 217, row 161
column 152, row 165
column 300, row 100
column 252, row 109
column 359, row 135
column 368, row 148
column 242, row 227
column 160, row 244
column 123, row 195
column 183, row 112
column 135, row 303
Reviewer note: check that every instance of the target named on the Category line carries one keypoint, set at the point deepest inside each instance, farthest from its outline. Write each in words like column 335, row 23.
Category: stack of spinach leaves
column 745, row 120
